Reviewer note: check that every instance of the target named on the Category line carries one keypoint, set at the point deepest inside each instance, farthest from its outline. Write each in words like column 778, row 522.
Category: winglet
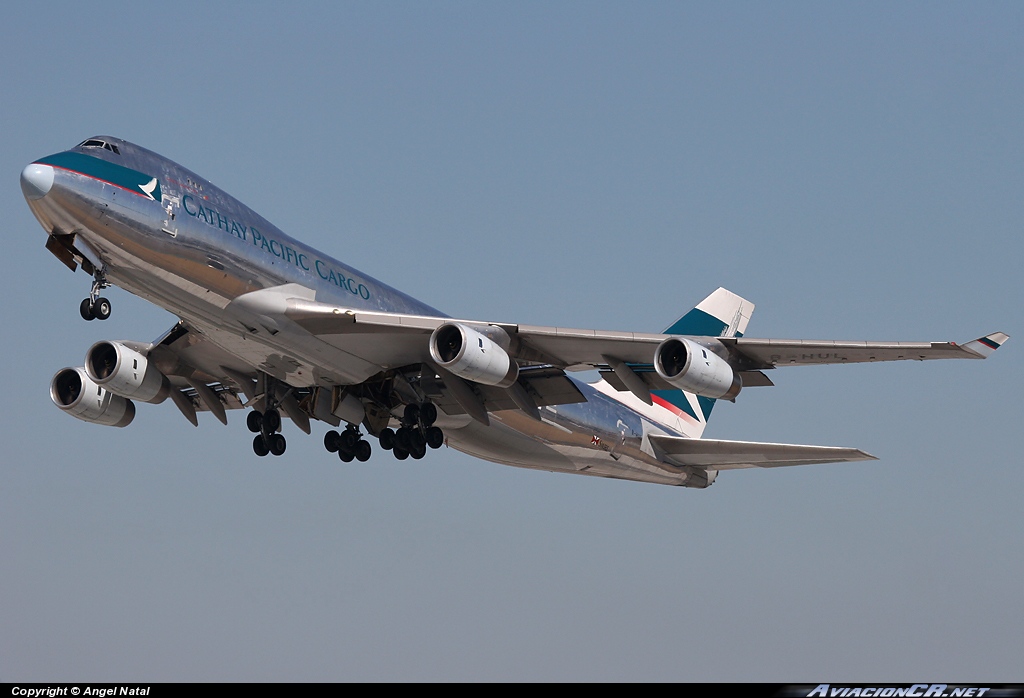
column 984, row 346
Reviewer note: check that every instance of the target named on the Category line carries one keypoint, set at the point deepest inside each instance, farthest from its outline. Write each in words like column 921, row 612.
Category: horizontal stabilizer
column 731, row 455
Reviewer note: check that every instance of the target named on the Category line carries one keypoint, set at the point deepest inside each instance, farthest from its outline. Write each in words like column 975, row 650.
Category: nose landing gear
column 96, row 307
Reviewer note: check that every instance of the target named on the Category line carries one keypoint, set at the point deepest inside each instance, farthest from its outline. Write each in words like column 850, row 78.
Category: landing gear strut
column 96, row 307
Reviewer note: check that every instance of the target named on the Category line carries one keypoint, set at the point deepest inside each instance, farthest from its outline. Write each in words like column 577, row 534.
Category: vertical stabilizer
column 722, row 314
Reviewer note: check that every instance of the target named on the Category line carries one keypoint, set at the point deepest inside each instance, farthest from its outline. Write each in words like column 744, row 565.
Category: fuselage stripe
column 679, row 412
column 100, row 179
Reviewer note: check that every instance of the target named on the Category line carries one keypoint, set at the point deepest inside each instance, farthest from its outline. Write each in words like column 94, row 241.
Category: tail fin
column 722, row 314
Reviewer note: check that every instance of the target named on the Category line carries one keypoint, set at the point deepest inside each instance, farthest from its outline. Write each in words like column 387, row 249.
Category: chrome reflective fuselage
column 193, row 249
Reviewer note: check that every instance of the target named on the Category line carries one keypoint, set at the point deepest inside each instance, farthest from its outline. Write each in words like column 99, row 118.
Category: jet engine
column 696, row 369
column 472, row 355
column 125, row 372
column 74, row 392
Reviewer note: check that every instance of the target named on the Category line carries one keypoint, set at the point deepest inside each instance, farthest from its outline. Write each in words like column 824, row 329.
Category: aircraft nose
column 36, row 181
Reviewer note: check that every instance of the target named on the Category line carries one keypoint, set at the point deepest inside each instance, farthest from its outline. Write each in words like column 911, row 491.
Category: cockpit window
column 95, row 143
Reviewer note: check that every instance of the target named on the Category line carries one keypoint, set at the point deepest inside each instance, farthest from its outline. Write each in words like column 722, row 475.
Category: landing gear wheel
column 428, row 414
column 277, row 444
column 435, row 437
column 86, row 310
column 400, row 453
column 418, row 452
column 332, row 440
column 345, row 456
column 254, row 421
column 403, row 438
column 101, row 309
column 387, row 438
column 348, row 439
column 412, row 413
column 272, row 421
column 362, row 450
column 259, row 446
column 416, row 441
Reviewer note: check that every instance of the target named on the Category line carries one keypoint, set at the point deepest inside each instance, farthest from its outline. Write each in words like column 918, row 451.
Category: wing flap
column 732, row 455
column 544, row 384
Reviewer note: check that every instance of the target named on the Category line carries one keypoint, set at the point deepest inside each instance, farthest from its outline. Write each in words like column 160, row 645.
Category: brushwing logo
column 152, row 189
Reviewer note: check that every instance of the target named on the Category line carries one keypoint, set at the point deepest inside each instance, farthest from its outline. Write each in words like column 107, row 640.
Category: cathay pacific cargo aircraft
column 273, row 326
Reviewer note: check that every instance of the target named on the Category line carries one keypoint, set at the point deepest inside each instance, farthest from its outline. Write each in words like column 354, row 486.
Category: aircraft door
column 620, row 441
column 172, row 207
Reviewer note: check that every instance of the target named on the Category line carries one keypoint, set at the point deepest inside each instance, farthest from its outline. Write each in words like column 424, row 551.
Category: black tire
column 416, row 440
column 272, row 421
column 400, row 453
column 428, row 414
column 259, row 446
column 254, row 421
column 348, row 440
column 412, row 413
column 362, row 450
column 403, row 438
column 101, row 309
column 277, row 444
column 345, row 456
column 435, row 437
column 86, row 310
column 332, row 440
column 387, row 438
column 418, row 452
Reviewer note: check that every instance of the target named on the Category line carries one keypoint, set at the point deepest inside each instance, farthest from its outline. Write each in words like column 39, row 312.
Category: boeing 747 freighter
column 273, row 326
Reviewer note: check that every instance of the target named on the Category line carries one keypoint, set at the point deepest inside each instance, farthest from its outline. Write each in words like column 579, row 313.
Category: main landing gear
column 266, row 426
column 416, row 433
column 96, row 307
column 349, row 445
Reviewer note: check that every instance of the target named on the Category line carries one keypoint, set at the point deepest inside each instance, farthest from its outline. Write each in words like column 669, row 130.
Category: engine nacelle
column 696, row 369
column 125, row 372
column 472, row 355
column 74, row 392
column 701, row 479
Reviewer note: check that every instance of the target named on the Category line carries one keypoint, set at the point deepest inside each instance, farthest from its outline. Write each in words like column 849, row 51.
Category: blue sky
column 855, row 170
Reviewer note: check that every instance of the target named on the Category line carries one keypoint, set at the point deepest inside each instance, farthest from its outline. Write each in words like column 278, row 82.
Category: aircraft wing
column 285, row 332
column 732, row 455
column 584, row 349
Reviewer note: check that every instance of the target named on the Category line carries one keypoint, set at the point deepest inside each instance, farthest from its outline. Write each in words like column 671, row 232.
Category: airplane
column 273, row 326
